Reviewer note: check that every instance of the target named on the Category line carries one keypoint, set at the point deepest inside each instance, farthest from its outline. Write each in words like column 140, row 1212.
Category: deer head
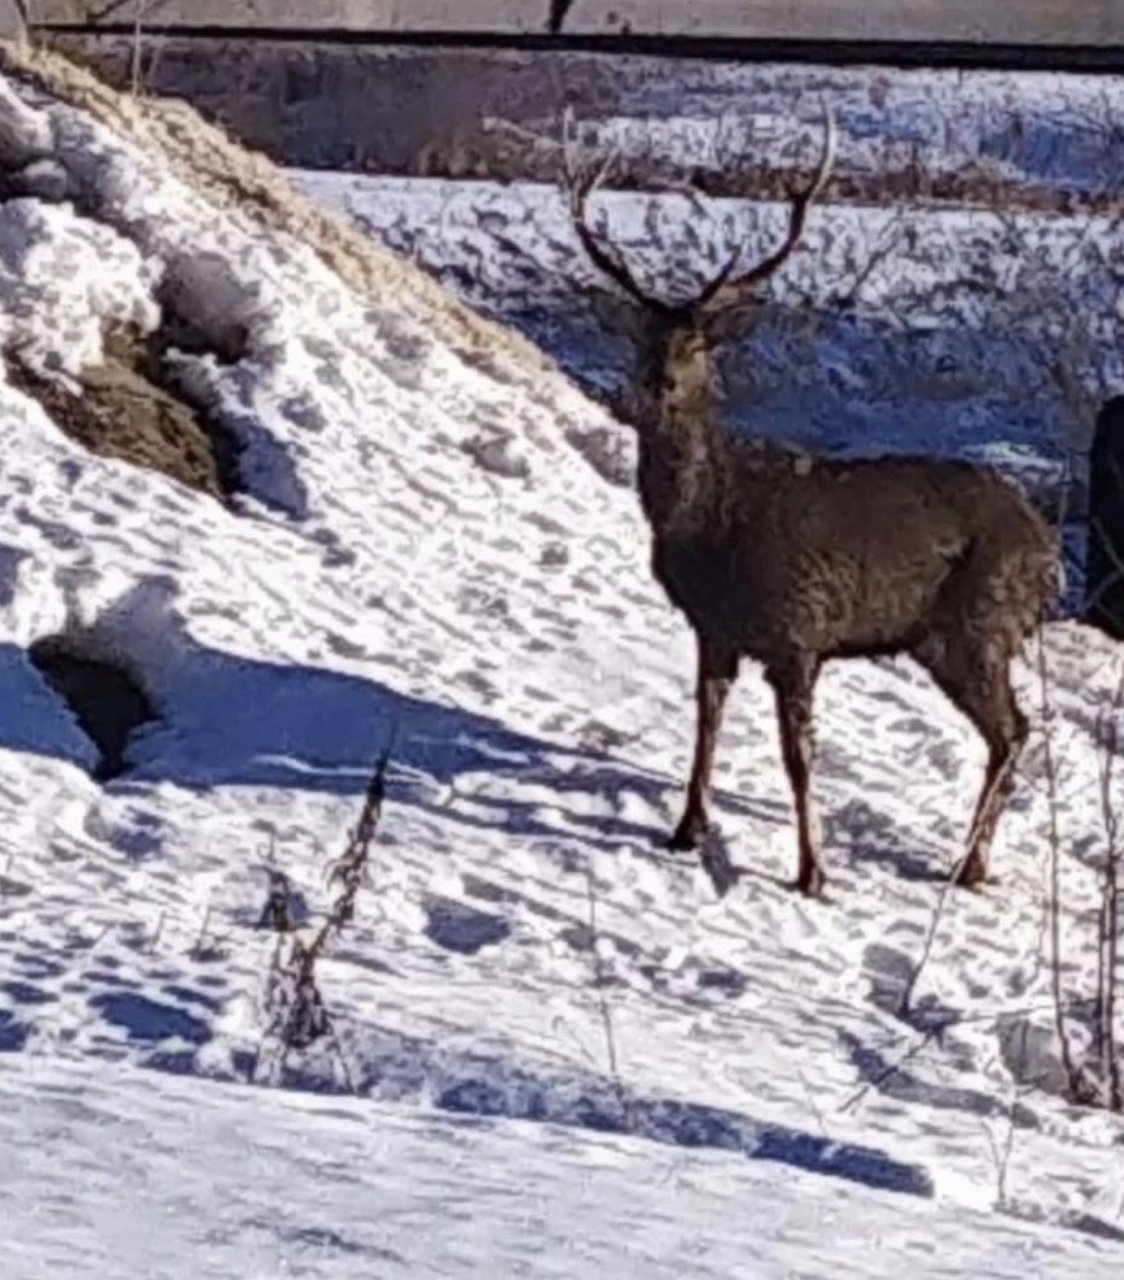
column 676, row 338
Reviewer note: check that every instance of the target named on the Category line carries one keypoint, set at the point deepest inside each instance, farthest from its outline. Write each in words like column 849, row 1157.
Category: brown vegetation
column 236, row 179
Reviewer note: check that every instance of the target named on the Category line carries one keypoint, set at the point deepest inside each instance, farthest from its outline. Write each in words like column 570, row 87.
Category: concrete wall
column 1019, row 22
column 11, row 20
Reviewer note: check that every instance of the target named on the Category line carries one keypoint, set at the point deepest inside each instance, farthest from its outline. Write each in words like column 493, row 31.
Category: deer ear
column 624, row 404
column 729, row 323
column 618, row 315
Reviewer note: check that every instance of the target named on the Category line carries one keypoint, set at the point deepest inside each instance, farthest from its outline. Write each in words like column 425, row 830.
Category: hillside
column 555, row 1049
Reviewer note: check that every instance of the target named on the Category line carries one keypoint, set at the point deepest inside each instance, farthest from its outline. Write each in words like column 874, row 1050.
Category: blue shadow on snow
column 236, row 721
column 395, row 1067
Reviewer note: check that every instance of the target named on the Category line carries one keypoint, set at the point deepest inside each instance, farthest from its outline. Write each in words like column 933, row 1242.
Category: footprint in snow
column 455, row 926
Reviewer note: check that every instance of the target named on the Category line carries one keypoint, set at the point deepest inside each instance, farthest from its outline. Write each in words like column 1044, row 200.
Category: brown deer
column 790, row 560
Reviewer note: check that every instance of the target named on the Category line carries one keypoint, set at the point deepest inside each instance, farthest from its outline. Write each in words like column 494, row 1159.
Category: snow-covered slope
column 974, row 333
column 571, row 1055
column 165, row 1183
column 923, row 329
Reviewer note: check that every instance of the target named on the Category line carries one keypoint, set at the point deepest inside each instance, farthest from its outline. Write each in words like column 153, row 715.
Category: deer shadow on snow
column 225, row 720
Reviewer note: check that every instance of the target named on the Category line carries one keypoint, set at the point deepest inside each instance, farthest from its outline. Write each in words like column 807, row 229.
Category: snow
column 557, row 1050
column 1039, row 127
column 266, row 1184
column 966, row 333
column 900, row 362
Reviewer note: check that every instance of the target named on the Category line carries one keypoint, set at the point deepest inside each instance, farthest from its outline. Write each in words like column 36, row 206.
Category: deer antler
column 726, row 289
column 579, row 187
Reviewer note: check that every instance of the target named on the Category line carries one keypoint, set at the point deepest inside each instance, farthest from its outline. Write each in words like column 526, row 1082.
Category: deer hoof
column 973, row 874
column 811, row 884
column 686, row 837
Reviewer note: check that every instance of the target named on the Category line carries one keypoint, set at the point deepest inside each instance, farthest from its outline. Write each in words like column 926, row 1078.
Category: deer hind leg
column 718, row 669
column 794, row 687
column 979, row 684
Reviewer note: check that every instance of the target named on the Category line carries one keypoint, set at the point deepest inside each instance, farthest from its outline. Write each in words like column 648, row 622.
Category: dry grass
column 299, row 1016
column 229, row 175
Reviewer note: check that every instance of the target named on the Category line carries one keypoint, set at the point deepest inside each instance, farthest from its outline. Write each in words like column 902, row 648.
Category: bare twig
column 884, row 249
column 1072, row 1071
column 1109, row 917
column 141, row 11
column 946, row 889
column 138, row 36
column 929, row 1034
column 1001, row 1152
column 25, row 20
column 600, row 979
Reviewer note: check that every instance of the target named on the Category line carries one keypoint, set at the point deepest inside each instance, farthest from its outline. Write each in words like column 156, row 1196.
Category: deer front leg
column 718, row 669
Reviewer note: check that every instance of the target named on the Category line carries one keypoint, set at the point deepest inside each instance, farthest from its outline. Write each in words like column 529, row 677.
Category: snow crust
column 427, row 553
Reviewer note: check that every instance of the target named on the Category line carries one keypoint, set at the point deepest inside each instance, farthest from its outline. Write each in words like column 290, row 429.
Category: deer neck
column 680, row 463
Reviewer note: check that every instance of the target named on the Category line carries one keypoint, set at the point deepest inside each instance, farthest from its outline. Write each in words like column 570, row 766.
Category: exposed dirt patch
column 108, row 703
column 126, row 411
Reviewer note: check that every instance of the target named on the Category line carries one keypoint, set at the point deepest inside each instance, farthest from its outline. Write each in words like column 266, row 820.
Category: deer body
column 841, row 558
column 790, row 561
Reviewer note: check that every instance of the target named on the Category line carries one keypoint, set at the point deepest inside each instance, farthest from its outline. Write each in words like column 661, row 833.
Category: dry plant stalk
column 601, row 982
column 1108, row 922
column 1094, row 1080
column 25, row 22
column 1076, row 1077
column 300, row 1016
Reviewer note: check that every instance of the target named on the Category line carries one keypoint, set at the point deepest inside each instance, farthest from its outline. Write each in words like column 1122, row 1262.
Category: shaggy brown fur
column 790, row 560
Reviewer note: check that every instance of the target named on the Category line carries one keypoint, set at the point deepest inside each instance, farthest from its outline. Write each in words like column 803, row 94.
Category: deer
column 791, row 560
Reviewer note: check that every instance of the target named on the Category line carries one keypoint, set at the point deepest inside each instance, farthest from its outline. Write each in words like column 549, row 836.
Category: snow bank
column 870, row 337
column 422, row 554
column 247, row 187
column 61, row 281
